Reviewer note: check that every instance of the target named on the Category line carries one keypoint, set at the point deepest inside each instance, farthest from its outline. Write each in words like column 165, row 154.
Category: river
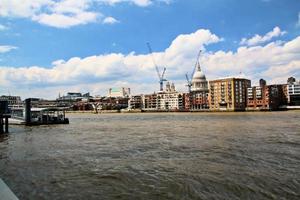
column 156, row 156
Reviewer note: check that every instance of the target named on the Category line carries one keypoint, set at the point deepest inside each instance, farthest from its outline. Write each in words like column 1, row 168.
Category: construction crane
column 189, row 79
column 160, row 75
column 189, row 82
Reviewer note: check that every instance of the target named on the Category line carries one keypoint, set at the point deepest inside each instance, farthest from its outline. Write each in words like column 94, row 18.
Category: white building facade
column 294, row 94
column 170, row 99
column 167, row 100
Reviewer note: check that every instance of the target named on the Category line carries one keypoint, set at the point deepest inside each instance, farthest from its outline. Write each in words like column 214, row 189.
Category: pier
column 4, row 115
column 4, row 123
column 38, row 114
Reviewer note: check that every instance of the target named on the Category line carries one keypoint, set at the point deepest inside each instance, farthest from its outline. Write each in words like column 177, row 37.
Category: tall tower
column 168, row 87
column 173, row 88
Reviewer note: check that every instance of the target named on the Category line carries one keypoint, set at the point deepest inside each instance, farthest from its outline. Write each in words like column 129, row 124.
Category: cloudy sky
column 49, row 47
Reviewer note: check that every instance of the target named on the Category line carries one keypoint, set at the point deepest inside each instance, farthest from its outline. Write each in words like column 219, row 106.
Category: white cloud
column 274, row 61
column 6, row 48
column 141, row 3
column 60, row 14
column 71, row 6
column 68, row 13
column 186, row 44
column 3, row 28
column 13, row 8
column 257, row 39
column 110, row 20
column 111, row 68
column 277, row 72
column 66, row 21
column 63, row 13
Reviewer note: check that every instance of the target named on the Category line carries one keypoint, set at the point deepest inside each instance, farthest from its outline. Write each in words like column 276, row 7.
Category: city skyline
column 49, row 47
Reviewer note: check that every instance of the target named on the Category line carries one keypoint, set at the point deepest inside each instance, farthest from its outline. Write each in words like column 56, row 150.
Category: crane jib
column 160, row 76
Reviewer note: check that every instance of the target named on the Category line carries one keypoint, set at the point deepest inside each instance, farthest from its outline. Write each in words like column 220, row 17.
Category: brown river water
column 156, row 156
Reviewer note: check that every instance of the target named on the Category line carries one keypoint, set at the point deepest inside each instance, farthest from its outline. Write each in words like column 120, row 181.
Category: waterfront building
column 119, row 92
column 199, row 91
column 258, row 97
column 71, row 98
column 293, row 88
column 121, row 103
column 166, row 100
column 82, row 106
column 150, row 101
column 101, row 103
column 186, row 101
column 228, row 94
column 170, row 99
column 265, row 97
column 135, row 102
column 12, row 100
column 74, row 96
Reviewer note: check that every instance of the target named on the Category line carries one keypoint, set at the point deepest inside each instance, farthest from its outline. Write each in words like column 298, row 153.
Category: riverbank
column 175, row 111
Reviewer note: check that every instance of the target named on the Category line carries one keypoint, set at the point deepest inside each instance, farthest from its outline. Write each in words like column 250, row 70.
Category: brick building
column 228, row 94
column 266, row 97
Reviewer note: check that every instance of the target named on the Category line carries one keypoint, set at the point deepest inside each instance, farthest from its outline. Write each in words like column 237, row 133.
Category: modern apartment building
column 135, row 102
column 265, row 97
column 150, row 101
column 170, row 99
column 293, row 93
column 167, row 100
column 228, row 94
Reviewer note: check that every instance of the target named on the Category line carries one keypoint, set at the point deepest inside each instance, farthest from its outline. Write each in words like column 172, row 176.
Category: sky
column 51, row 47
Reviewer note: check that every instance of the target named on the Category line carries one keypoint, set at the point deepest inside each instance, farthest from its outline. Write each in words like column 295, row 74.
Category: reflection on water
column 156, row 156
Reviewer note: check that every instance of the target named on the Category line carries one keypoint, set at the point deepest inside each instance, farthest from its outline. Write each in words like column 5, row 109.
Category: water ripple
column 156, row 156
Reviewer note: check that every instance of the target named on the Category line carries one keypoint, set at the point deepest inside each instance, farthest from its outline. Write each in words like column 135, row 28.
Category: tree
column 291, row 80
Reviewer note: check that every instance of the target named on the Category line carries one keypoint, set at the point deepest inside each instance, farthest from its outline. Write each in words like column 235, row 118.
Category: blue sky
column 54, row 46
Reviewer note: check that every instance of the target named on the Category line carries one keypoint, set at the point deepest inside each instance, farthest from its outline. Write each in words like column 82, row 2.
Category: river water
column 156, row 156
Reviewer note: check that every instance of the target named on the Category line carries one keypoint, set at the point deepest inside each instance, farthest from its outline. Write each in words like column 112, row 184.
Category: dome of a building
column 198, row 75
column 199, row 82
